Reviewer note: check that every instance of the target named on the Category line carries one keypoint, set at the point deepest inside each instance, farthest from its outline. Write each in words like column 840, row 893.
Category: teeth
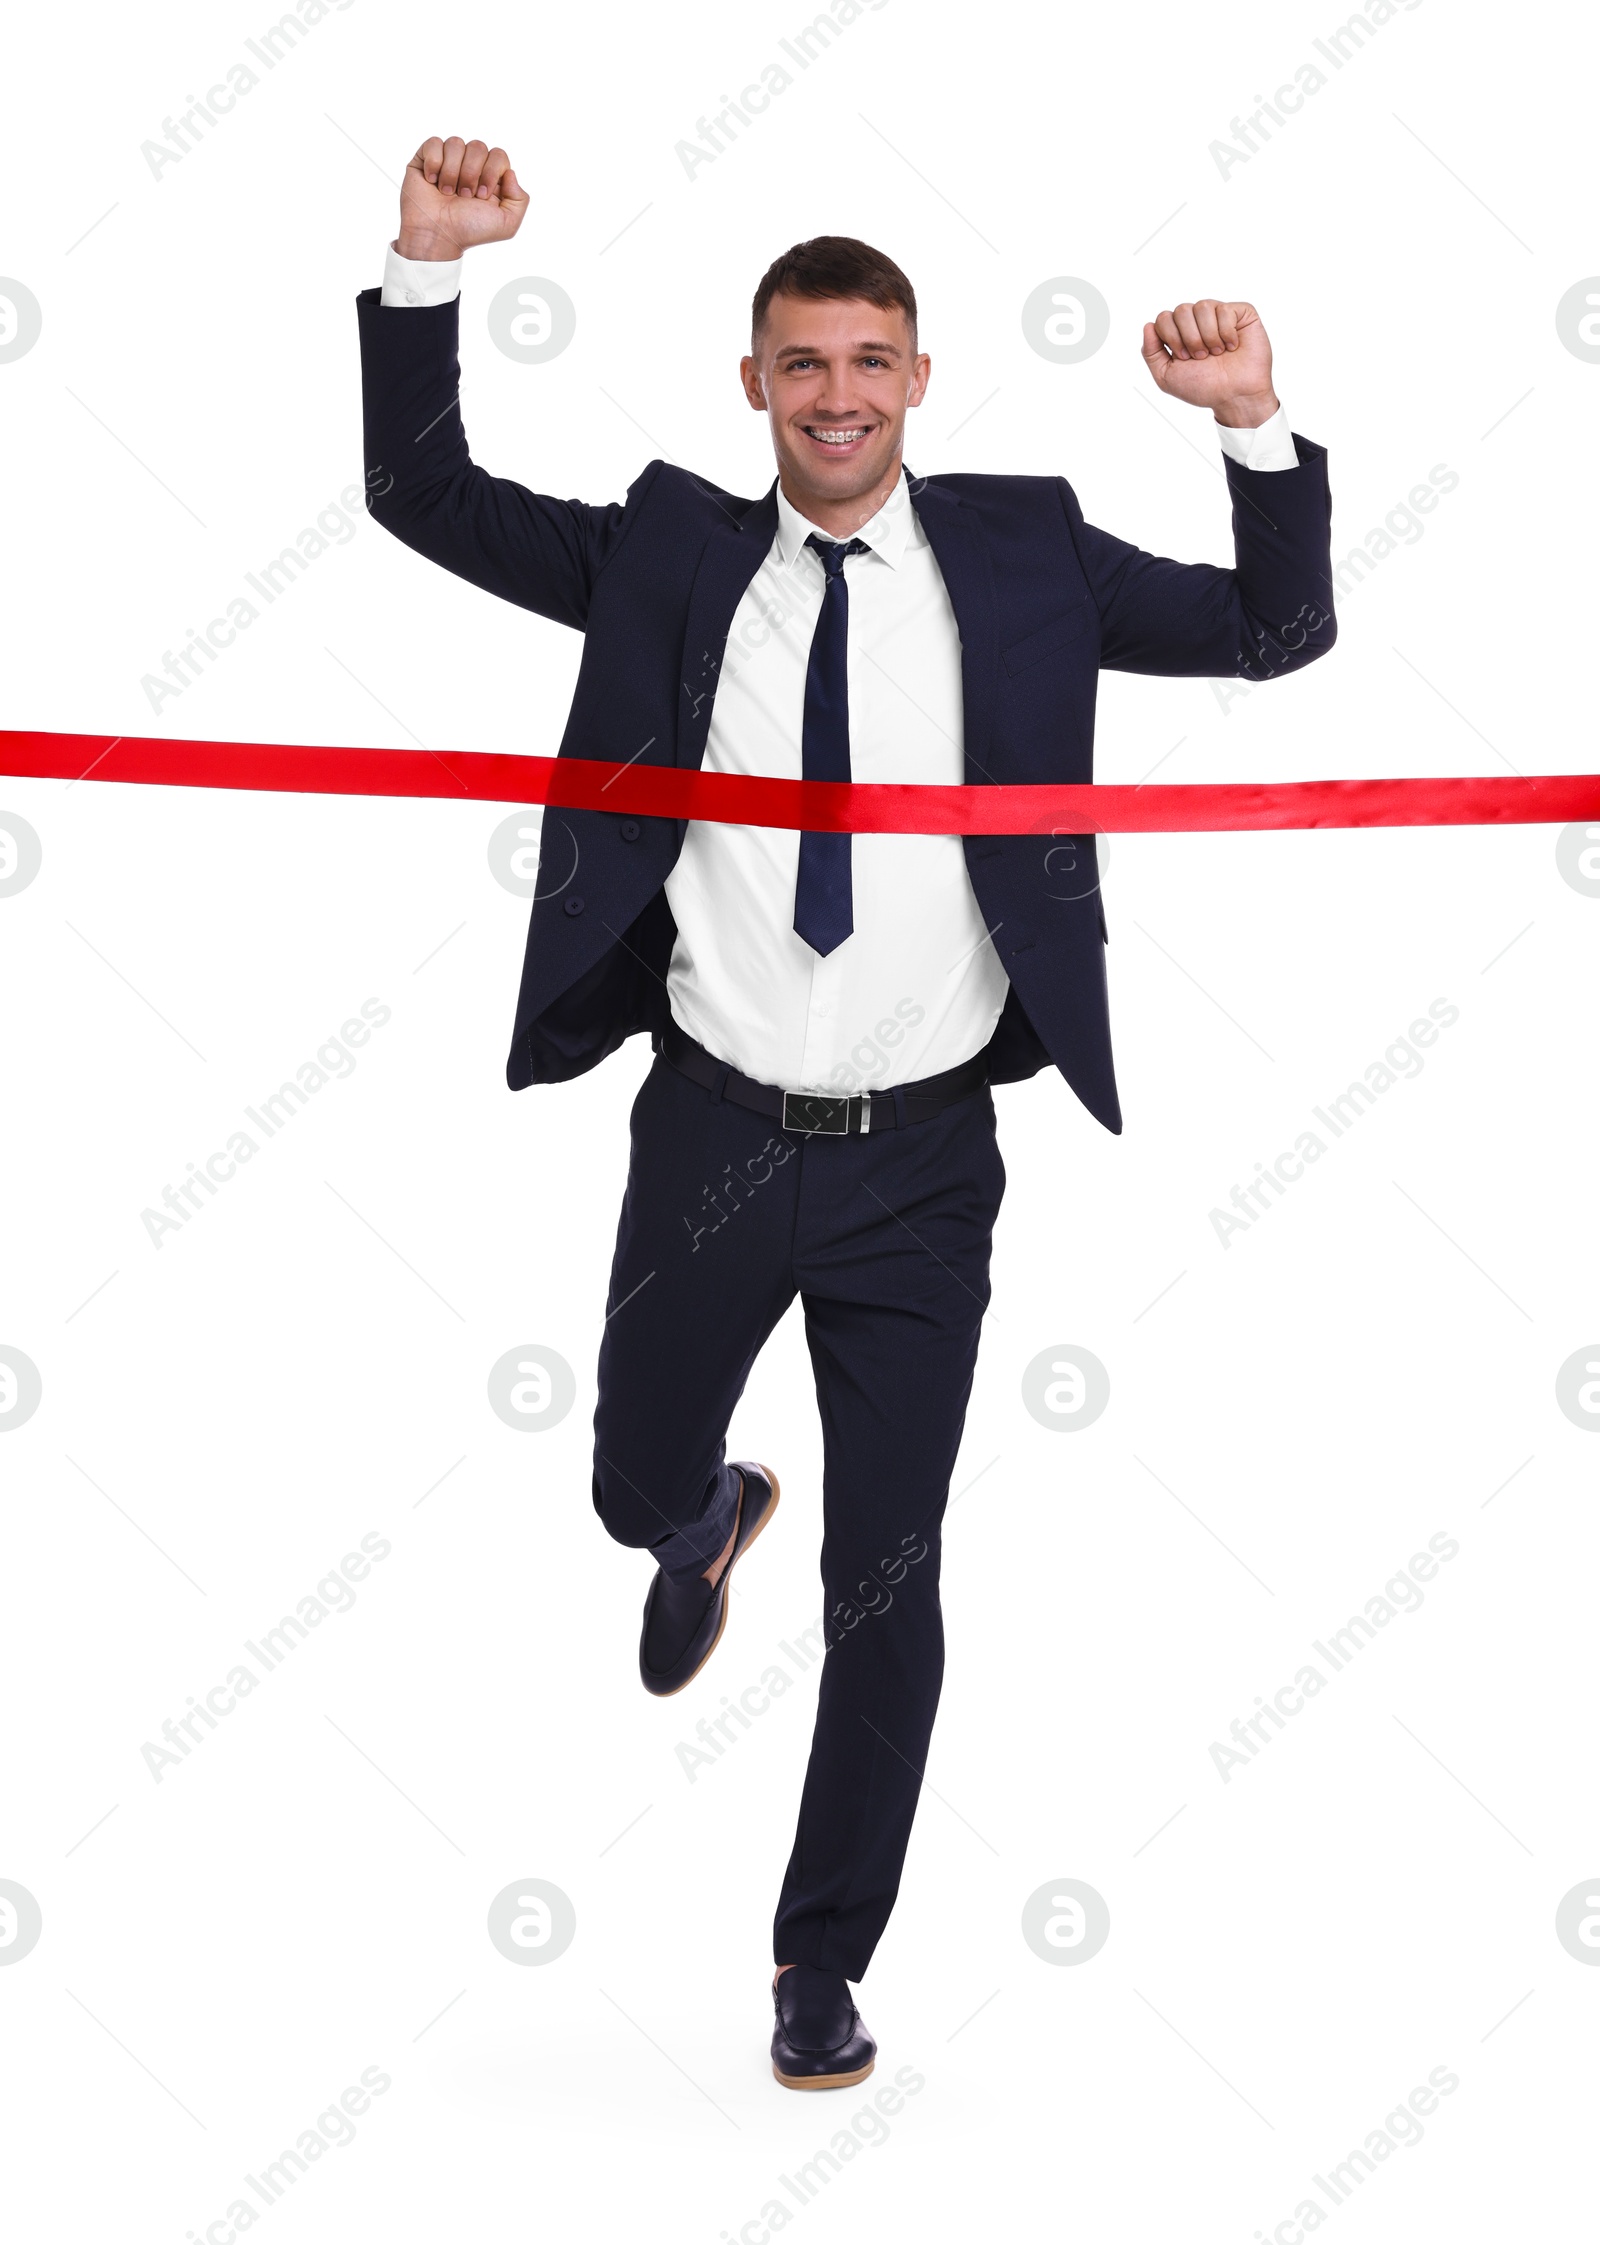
column 837, row 436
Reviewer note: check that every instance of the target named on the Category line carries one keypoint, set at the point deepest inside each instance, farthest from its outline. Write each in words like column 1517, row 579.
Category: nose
column 834, row 400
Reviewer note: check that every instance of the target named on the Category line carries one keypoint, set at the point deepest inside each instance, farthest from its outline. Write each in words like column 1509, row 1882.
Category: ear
column 750, row 376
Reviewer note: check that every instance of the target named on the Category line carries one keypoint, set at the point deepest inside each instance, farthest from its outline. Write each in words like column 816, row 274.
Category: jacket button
column 629, row 830
column 572, row 907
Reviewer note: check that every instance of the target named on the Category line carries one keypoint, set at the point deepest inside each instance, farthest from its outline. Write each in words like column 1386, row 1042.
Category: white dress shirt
column 918, row 986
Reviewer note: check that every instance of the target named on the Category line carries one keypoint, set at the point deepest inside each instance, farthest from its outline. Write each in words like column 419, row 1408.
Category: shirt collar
column 887, row 532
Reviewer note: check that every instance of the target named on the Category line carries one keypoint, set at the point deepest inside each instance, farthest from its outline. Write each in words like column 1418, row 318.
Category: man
column 827, row 1010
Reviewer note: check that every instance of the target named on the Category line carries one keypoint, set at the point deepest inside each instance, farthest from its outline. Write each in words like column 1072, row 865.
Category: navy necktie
column 823, row 911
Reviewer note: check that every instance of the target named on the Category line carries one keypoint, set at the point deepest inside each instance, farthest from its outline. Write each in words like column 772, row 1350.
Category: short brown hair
column 830, row 266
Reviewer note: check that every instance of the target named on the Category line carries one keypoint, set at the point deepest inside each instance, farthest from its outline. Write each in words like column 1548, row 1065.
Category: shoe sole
column 823, row 2081
column 727, row 1589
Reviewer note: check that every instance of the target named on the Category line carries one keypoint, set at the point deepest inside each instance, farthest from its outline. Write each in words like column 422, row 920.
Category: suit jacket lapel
column 733, row 553
column 968, row 572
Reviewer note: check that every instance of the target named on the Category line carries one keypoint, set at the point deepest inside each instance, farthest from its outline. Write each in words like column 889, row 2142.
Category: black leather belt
column 820, row 1114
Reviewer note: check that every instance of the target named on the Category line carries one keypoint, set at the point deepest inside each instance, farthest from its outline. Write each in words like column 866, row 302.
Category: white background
column 305, row 1362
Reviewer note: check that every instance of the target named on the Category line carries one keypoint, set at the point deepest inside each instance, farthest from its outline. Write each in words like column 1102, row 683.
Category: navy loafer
column 683, row 1621
column 819, row 2040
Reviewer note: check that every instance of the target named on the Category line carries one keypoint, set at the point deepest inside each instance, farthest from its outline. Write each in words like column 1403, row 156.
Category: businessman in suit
column 828, row 1012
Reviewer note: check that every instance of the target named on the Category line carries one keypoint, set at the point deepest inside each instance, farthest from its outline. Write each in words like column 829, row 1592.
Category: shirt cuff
column 1267, row 447
column 423, row 280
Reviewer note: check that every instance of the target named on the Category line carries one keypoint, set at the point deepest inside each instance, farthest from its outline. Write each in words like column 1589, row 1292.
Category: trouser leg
column 700, row 1276
column 892, row 1255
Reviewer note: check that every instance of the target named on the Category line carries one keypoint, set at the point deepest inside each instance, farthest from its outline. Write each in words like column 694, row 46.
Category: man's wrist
column 426, row 249
column 1246, row 412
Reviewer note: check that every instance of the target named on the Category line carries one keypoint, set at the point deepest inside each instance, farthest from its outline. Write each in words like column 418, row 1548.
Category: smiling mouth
column 835, row 440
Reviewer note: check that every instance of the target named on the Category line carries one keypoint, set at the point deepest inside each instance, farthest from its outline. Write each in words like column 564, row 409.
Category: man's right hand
column 457, row 193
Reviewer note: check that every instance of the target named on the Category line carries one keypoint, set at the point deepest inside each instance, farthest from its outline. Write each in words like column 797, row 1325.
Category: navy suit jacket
column 1043, row 602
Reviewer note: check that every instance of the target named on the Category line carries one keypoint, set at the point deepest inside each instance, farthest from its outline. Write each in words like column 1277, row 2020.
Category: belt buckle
column 816, row 1114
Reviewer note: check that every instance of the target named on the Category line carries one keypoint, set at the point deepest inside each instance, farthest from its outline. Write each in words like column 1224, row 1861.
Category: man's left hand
column 1217, row 354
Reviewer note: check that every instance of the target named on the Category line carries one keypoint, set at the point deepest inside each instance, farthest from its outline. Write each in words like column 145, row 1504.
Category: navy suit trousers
column 885, row 1239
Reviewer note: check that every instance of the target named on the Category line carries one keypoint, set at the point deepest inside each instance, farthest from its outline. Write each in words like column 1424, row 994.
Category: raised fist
column 455, row 194
column 1214, row 353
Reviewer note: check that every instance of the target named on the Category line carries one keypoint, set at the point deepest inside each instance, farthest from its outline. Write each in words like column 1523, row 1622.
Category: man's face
column 836, row 378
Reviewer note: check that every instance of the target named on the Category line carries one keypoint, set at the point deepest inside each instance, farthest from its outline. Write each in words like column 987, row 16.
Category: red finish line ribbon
column 815, row 806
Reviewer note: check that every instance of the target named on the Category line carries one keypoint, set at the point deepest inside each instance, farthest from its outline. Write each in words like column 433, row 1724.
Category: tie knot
column 832, row 553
